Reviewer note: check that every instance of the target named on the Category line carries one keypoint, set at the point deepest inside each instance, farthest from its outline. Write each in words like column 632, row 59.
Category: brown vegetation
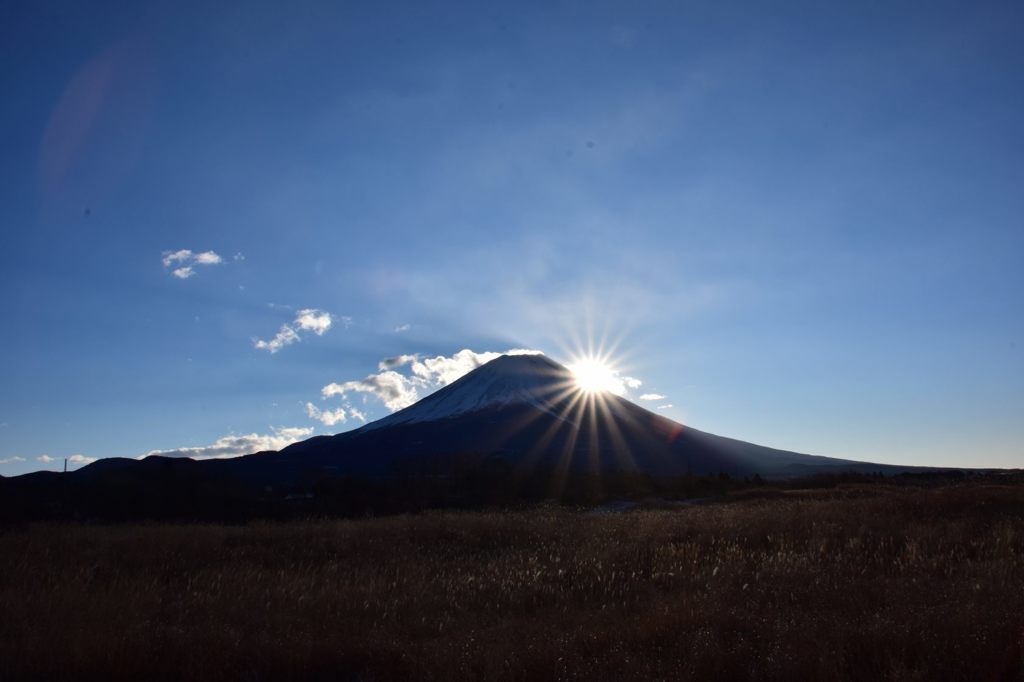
column 863, row 582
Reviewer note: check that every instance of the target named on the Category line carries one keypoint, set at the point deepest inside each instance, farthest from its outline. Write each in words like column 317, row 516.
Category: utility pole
column 63, row 488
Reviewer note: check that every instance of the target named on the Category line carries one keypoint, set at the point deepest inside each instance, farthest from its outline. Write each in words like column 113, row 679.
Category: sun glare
column 595, row 376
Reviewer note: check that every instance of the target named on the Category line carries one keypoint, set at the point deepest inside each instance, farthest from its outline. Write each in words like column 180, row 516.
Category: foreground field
column 865, row 583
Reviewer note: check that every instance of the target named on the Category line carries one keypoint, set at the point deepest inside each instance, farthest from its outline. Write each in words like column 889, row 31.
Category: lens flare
column 595, row 375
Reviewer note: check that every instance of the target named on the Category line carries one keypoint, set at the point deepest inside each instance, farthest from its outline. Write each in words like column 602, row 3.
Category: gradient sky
column 800, row 223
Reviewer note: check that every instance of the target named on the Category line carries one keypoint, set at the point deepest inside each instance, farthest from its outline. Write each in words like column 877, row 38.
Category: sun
column 594, row 375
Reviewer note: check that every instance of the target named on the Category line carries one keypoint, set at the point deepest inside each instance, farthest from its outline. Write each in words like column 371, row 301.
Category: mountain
column 527, row 410
column 517, row 423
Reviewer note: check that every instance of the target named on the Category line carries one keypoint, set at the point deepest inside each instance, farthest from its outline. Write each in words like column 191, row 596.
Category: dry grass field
column 869, row 582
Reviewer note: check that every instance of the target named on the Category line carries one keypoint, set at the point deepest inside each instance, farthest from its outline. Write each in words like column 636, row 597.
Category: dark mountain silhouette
column 517, row 423
column 527, row 410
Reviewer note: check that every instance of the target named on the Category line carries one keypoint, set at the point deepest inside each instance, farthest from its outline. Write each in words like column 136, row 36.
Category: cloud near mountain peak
column 397, row 390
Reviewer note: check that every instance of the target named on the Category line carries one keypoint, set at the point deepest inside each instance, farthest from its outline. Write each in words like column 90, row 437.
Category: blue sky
column 800, row 223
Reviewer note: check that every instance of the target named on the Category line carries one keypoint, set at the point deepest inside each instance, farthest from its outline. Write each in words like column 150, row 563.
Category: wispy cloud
column 73, row 459
column 397, row 361
column 391, row 388
column 180, row 256
column 284, row 337
column 306, row 320
column 665, row 407
column 327, row 417
column 652, row 396
column 403, row 328
column 236, row 445
column 12, row 460
column 182, row 263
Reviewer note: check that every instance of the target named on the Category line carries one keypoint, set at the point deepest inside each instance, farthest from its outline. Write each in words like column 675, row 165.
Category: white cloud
column 172, row 257
column 664, row 407
column 391, row 388
column 12, row 460
column 652, row 396
column 307, row 320
column 326, row 417
column 184, row 261
column 631, row 382
column 397, row 390
column 73, row 459
column 208, row 258
column 292, row 433
column 313, row 320
column 403, row 328
column 237, row 445
column 442, row 370
column 356, row 414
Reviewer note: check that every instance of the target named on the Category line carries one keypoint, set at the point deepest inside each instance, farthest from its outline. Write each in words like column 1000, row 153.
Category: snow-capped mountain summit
column 526, row 379
column 528, row 411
